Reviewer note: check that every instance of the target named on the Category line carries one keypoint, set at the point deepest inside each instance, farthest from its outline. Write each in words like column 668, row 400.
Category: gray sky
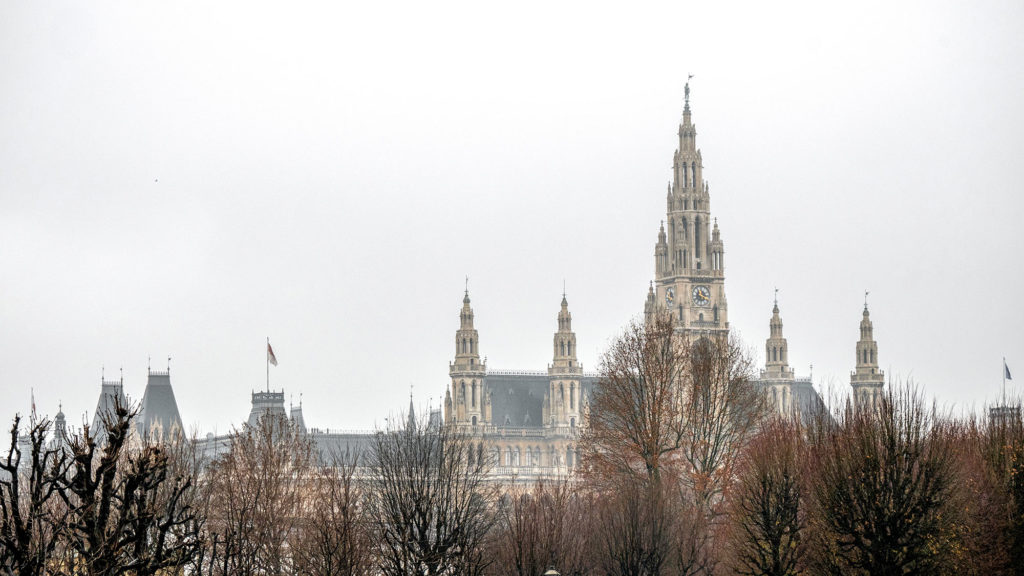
column 188, row 178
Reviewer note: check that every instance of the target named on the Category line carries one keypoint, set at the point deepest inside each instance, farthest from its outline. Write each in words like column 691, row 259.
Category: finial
column 563, row 288
column 686, row 90
column 103, row 373
column 121, row 369
column 866, row 300
column 149, row 363
column 168, row 364
column 300, row 400
column 467, row 284
column 776, row 295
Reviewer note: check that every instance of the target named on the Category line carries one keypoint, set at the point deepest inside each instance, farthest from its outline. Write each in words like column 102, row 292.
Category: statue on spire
column 686, row 89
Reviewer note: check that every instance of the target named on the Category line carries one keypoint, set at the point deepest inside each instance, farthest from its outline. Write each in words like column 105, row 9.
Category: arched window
column 568, row 347
column 693, row 173
column 572, row 396
column 474, row 396
column 775, row 354
column 572, row 422
column 462, row 394
column 561, row 392
column 508, row 456
column 474, row 420
column 463, row 345
column 563, row 347
column 872, row 356
column 515, row 457
column 686, row 175
column 470, row 345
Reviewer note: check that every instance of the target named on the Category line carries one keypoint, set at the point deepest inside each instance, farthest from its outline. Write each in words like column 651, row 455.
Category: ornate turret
column 777, row 376
column 464, row 401
column 562, row 400
column 867, row 380
column 689, row 263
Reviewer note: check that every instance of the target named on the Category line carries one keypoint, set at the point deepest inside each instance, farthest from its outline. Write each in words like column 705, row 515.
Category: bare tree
column 721, row 411
column 334, row 538
column 541, row 527
column 255, row 499
column 432, row 507
column 768, row 516
column 27, row 490
column 1001, row 444
column 128, row 509
column 884, row 491
column 635, row 422
column 633, row 528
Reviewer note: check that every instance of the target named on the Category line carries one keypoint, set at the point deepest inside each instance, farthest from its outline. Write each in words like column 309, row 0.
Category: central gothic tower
column 689, row 260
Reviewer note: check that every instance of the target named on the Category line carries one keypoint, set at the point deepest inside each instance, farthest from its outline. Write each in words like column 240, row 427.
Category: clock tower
column 689, row 259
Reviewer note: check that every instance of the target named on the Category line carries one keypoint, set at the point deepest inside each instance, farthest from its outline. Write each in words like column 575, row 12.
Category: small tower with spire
column 465, row 401
column 777, row 374
column 867, row 380
column 562, row 400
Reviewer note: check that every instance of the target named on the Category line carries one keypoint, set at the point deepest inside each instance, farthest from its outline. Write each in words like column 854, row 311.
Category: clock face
column 701, row 295
column 670, row 297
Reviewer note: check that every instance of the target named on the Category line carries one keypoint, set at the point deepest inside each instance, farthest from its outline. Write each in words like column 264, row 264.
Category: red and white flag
column 270, row 355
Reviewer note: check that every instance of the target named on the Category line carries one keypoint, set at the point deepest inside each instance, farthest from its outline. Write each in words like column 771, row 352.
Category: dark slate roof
column 110, row 391
column 159, row 413
column 343, row 445
column 517, row 396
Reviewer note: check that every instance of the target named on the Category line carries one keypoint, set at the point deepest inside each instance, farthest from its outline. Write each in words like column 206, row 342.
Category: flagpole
column 268, row 363
column 1004, row 380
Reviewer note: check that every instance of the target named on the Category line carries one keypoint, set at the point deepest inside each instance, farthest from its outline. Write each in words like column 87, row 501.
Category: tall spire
column 689, row 252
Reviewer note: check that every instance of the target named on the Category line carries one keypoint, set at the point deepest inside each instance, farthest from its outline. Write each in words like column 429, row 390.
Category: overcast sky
column 186, row 179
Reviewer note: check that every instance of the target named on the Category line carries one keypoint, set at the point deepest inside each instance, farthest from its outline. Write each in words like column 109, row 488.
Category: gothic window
column 775, row 354
column 508, row 456
column 563, row 347
column 462, row 394
column 872, row 356
column 572, row 396
column 470, row 345
column 696, row 237
column 685, row 174
column 775, row 397
column 568, row 347
column 561, row 392
column 572, row 422
column 474, row 420
column 515, row 457
column 463, row 345
column 693, row 173
column 474, row 395
column 715, row 310
column 700, row 317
